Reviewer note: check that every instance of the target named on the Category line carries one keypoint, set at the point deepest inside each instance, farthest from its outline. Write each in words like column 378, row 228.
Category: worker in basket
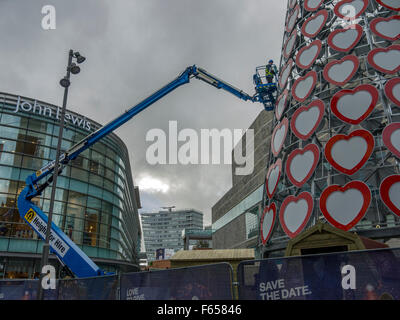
column 270, row 71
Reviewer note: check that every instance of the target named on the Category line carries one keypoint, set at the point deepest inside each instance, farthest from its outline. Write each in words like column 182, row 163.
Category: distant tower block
column 335, row 148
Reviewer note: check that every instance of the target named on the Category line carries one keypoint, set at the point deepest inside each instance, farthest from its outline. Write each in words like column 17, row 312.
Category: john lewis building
column 96, row 202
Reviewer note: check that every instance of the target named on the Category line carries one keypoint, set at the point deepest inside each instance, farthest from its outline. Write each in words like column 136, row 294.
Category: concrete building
column 163, row 229
column 96, row 203
column 235, row 215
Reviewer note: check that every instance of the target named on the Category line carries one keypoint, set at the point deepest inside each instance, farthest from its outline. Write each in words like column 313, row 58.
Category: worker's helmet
column 271, row 61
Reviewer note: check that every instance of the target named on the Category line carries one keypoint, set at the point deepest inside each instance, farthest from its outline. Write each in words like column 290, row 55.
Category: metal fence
column 208, row 282
column 354, row 275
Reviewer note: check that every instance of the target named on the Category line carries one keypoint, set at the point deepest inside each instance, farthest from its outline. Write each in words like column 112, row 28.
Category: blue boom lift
column 267, row 92
column 69, row 254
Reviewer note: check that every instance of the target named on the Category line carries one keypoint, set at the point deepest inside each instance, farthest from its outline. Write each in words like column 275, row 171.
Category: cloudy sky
column 134, row 47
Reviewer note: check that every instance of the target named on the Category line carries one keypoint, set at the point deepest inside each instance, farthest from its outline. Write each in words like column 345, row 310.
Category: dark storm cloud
column 133, row 47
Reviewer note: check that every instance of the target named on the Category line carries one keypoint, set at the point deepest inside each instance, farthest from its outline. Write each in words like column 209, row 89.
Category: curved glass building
column 96, row 203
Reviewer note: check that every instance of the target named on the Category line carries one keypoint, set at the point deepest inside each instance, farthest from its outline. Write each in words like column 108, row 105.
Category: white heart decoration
column 267, row 222
column 339, row 72
column 312, row 5
column 390, row 193
column 306, row 119
column 388, row 29
column 395, row 139
column 273, row 175
column 391, row 138
column 313, row 25
column 390, row 4
column 349, row 153
column 281, row 104
column 285, row 73
column 301, row 164
column 344, row 40
column 291, row 41
column 350, row 9
column 303, row 86
column 291, row 22
column 295, row 212
column 394, row 194
column 392, row 90
column 354, row 105
column 386, row 60
column 273, row 179
column 279, row 136
column 396, row 92
column 345, row 206
column 307, row 55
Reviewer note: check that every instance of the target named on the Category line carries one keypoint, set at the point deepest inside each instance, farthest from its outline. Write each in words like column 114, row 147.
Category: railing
column 352, row 275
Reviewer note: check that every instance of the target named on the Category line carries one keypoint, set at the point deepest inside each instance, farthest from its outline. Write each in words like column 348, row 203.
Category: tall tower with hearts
column 335, row 137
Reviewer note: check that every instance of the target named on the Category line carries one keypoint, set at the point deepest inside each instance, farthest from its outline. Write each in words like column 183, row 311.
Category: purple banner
column 359, row 275
column 208, row 282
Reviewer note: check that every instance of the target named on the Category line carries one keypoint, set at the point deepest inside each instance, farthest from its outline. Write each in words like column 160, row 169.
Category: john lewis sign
column 51, row 112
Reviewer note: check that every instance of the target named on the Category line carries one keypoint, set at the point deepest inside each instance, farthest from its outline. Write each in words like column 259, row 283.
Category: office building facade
column 96, row 203
column 163, row 229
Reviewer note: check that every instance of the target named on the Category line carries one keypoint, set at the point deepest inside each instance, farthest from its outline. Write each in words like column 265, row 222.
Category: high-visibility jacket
column 270, row 70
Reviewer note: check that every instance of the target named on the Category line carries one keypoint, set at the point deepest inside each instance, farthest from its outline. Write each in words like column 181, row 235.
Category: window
column 90, row 230
column 77, row 198
column 79, row 174
column 74, row 223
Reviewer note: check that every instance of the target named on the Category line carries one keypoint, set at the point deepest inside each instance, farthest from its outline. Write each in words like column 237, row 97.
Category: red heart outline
column 317, row 43
column 278, row 164
column 313, row 35
column 302, row 196
column 384, row 192
column 332, row 35
column 284, row 95
column 310, row 147
column 377, row 20
column 386, row 135
column 308, row 8
column 386, row 6
column 339, row 4
column 366, row 135
column 360, row 186
column 296, row 12
column 315, row 103
column 389, row 90
column 352, row 58
column 285, row 122
column 312, row 74
column 293, row 34
column 266, row 211
column 289, row 65
column 377, row 50
column 363, row 87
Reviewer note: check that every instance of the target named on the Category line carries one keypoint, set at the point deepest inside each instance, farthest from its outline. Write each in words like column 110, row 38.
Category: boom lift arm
column 65, row 249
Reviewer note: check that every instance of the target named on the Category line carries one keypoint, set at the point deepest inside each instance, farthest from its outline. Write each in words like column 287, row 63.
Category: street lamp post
column 65, row 82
